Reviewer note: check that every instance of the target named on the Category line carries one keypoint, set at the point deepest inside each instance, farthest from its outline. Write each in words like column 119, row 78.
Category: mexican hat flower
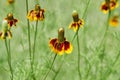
column 108, row 5
column 60, row 45
column 36, row 14
column 10, row 1
column 5, row 31
column 77, row 23
column 11, row 20
column 114, row 21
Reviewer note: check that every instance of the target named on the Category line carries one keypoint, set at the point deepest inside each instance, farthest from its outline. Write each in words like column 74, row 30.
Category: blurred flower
column 10, row 1
column 114, row 21
column 11, row 21
column 5, row 31
column 36, row 14
column 8, row 34
column 76, row 21
column 60, row 45
column 109, row 5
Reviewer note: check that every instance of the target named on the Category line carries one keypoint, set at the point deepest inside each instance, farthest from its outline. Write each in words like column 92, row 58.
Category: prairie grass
column 96, row 63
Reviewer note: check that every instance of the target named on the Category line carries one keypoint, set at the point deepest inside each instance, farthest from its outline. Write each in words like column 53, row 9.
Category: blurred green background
column 58, row 14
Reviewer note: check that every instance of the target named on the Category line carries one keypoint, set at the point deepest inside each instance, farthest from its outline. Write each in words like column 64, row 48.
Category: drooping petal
column 114, row 21
column 81, row 23
column 52, row 43
column 113, row 4
column 30, row 15
column 9, row 34
column 60, row 48
column 104, row 8
column 74, row 26
column 68, row 47
column 1, row 35
column 15, row 21
column 10, row 23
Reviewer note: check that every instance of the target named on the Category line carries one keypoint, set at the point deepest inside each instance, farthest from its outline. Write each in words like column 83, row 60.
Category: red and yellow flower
column 10, row 1
column 5, row 31
column 114, row 21
column 3, row 34
column 60, row 45
column 36, row 14
column 77, row 23
column 11, row 20
column 108, row 5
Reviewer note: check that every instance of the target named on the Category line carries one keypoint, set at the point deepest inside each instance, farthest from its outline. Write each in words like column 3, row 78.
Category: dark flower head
column 36, row 14
column 114, row 21
column 77, row 23
column 60, row 45
column 10, row 1
column 11, row 20
column 108, row 5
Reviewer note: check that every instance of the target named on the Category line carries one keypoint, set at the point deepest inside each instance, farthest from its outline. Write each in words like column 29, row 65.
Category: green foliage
column 94, row 62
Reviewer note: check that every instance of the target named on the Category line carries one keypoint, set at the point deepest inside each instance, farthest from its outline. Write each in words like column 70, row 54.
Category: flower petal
column 52, row 42
column 59, row 47
column 68, row 47
column 104, row 8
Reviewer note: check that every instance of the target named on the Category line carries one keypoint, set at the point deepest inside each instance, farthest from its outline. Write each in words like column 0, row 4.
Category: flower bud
column 61, row 34
column 10, row 1
column 37, row 7
column 4, row 26
column 107, row 2
column 75, row 16
column 10, row 16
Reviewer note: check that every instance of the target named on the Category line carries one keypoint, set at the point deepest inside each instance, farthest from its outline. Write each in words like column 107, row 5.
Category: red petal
column 1, row 33
column 11, row 23
column 66, row 45
column 59, row 46
column 105, row 7
column 53, row 41
column 15, row 20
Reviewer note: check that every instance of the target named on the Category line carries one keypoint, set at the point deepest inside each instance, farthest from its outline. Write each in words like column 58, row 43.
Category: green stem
column 79, row 71
column 84, row 29
column 84, row 14
column 58, row 71
column 36, row 2
column 101, row 68
column 33, row 55
column 50, row 67
column 108, row 72
column 103, row 42
column 35, row 40
column 9, row 58
column 89, row 65
column 107, row 27
column 29, row 41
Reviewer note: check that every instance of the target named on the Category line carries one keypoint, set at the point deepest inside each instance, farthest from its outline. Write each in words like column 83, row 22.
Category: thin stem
column 58, row 71
column 102, row 42
column 50, row 67
column 90, row 66
column 35, row 40
column 79, row 71
column 9, row 58
column 108, row 72
column 101, row 68
column 36, row 2
column 84, row 29
column 107, row 27
column 29, row 41
column 33, row 55
column 84, row 14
